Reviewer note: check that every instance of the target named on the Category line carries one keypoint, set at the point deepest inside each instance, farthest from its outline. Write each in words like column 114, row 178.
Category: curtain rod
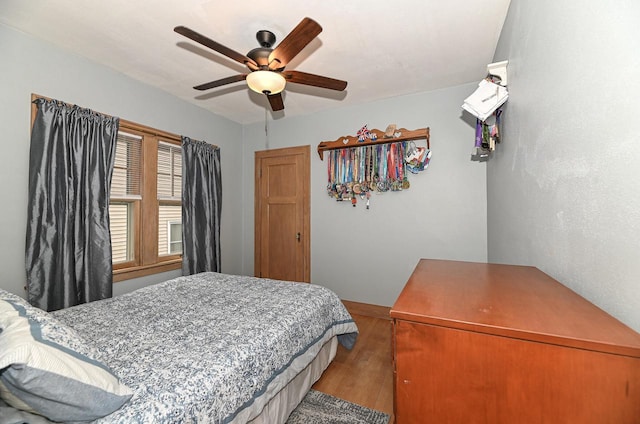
column 128, row 123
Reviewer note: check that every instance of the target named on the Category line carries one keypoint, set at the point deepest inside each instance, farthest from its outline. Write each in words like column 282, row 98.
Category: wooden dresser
column 488, row 343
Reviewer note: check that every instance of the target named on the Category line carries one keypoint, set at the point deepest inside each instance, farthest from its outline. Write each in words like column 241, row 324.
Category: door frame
column 305, row 152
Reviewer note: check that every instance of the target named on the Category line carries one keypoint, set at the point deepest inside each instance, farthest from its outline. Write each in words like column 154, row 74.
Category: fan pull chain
column 266, row 130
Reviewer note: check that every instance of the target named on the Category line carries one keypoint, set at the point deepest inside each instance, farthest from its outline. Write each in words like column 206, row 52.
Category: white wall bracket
column 499, row 69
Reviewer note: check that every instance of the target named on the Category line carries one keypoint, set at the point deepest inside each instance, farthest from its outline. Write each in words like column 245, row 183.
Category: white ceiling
column 382, row 48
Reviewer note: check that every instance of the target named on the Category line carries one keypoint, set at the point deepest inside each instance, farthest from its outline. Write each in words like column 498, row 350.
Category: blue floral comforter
column 205, row 348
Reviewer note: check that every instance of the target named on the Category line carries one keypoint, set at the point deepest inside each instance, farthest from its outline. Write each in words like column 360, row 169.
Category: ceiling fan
column 266, row 64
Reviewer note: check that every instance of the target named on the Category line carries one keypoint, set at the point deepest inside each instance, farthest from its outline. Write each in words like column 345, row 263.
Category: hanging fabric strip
column 356, row 171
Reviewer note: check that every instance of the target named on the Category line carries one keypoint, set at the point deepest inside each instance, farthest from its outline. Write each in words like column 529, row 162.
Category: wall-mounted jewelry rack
column 352, row 141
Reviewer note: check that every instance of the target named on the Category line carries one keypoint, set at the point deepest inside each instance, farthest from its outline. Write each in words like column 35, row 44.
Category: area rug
column 321, row 408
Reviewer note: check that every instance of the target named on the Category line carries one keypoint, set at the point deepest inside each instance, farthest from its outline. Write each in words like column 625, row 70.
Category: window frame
column 146, row 260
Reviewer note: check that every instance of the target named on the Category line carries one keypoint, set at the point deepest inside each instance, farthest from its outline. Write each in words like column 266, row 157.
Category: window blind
column 169, row 171
column 127, row 169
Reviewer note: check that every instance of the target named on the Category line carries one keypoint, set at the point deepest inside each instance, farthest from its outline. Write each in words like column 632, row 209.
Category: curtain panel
column 68, row 243
column 201, row 206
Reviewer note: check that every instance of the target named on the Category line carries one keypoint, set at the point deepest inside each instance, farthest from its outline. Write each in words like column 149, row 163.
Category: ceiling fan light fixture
column 266, row 64
column 266, row 82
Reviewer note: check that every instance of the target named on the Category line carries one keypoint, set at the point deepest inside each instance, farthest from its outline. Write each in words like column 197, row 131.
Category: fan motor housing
column 266, row 38
column 260, row 55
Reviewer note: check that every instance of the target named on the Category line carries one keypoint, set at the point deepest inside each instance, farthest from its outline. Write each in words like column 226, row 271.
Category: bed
column 207, row 348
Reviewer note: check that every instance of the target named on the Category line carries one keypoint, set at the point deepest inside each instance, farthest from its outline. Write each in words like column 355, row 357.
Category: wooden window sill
column 141, row 271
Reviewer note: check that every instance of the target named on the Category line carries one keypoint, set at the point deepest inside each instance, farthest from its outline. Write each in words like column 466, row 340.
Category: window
column 125, row 196
column 169, row 171
column 174, row 239
column 121, row 229
column 169, row 196
column 146, row 202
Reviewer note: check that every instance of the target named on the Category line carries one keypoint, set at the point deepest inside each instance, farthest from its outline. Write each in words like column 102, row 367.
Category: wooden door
column 282, row 218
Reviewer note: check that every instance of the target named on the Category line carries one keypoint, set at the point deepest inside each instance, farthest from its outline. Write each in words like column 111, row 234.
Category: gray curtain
column 68, row 246
column 201, row 207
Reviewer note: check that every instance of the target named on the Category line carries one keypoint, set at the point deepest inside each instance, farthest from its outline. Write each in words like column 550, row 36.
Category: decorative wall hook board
column 375, row 165
column 349, row 141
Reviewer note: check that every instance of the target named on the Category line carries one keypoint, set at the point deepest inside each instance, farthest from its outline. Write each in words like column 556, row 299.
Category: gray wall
column 564, row 188
column 443, row 215
column 367, row 255
column 561, row 192
column 32, row 66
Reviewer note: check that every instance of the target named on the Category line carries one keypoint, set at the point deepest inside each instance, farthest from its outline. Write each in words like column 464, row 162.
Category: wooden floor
column 364, row 375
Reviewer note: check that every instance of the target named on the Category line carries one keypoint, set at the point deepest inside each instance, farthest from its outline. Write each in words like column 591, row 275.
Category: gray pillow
column 10, row 415
column 46, row 368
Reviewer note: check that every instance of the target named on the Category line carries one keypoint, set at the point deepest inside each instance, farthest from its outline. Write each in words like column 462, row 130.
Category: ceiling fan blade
column 223, row 81
column 315, row 80
column 298, row 38
column 205, row 41
column 275, row 100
